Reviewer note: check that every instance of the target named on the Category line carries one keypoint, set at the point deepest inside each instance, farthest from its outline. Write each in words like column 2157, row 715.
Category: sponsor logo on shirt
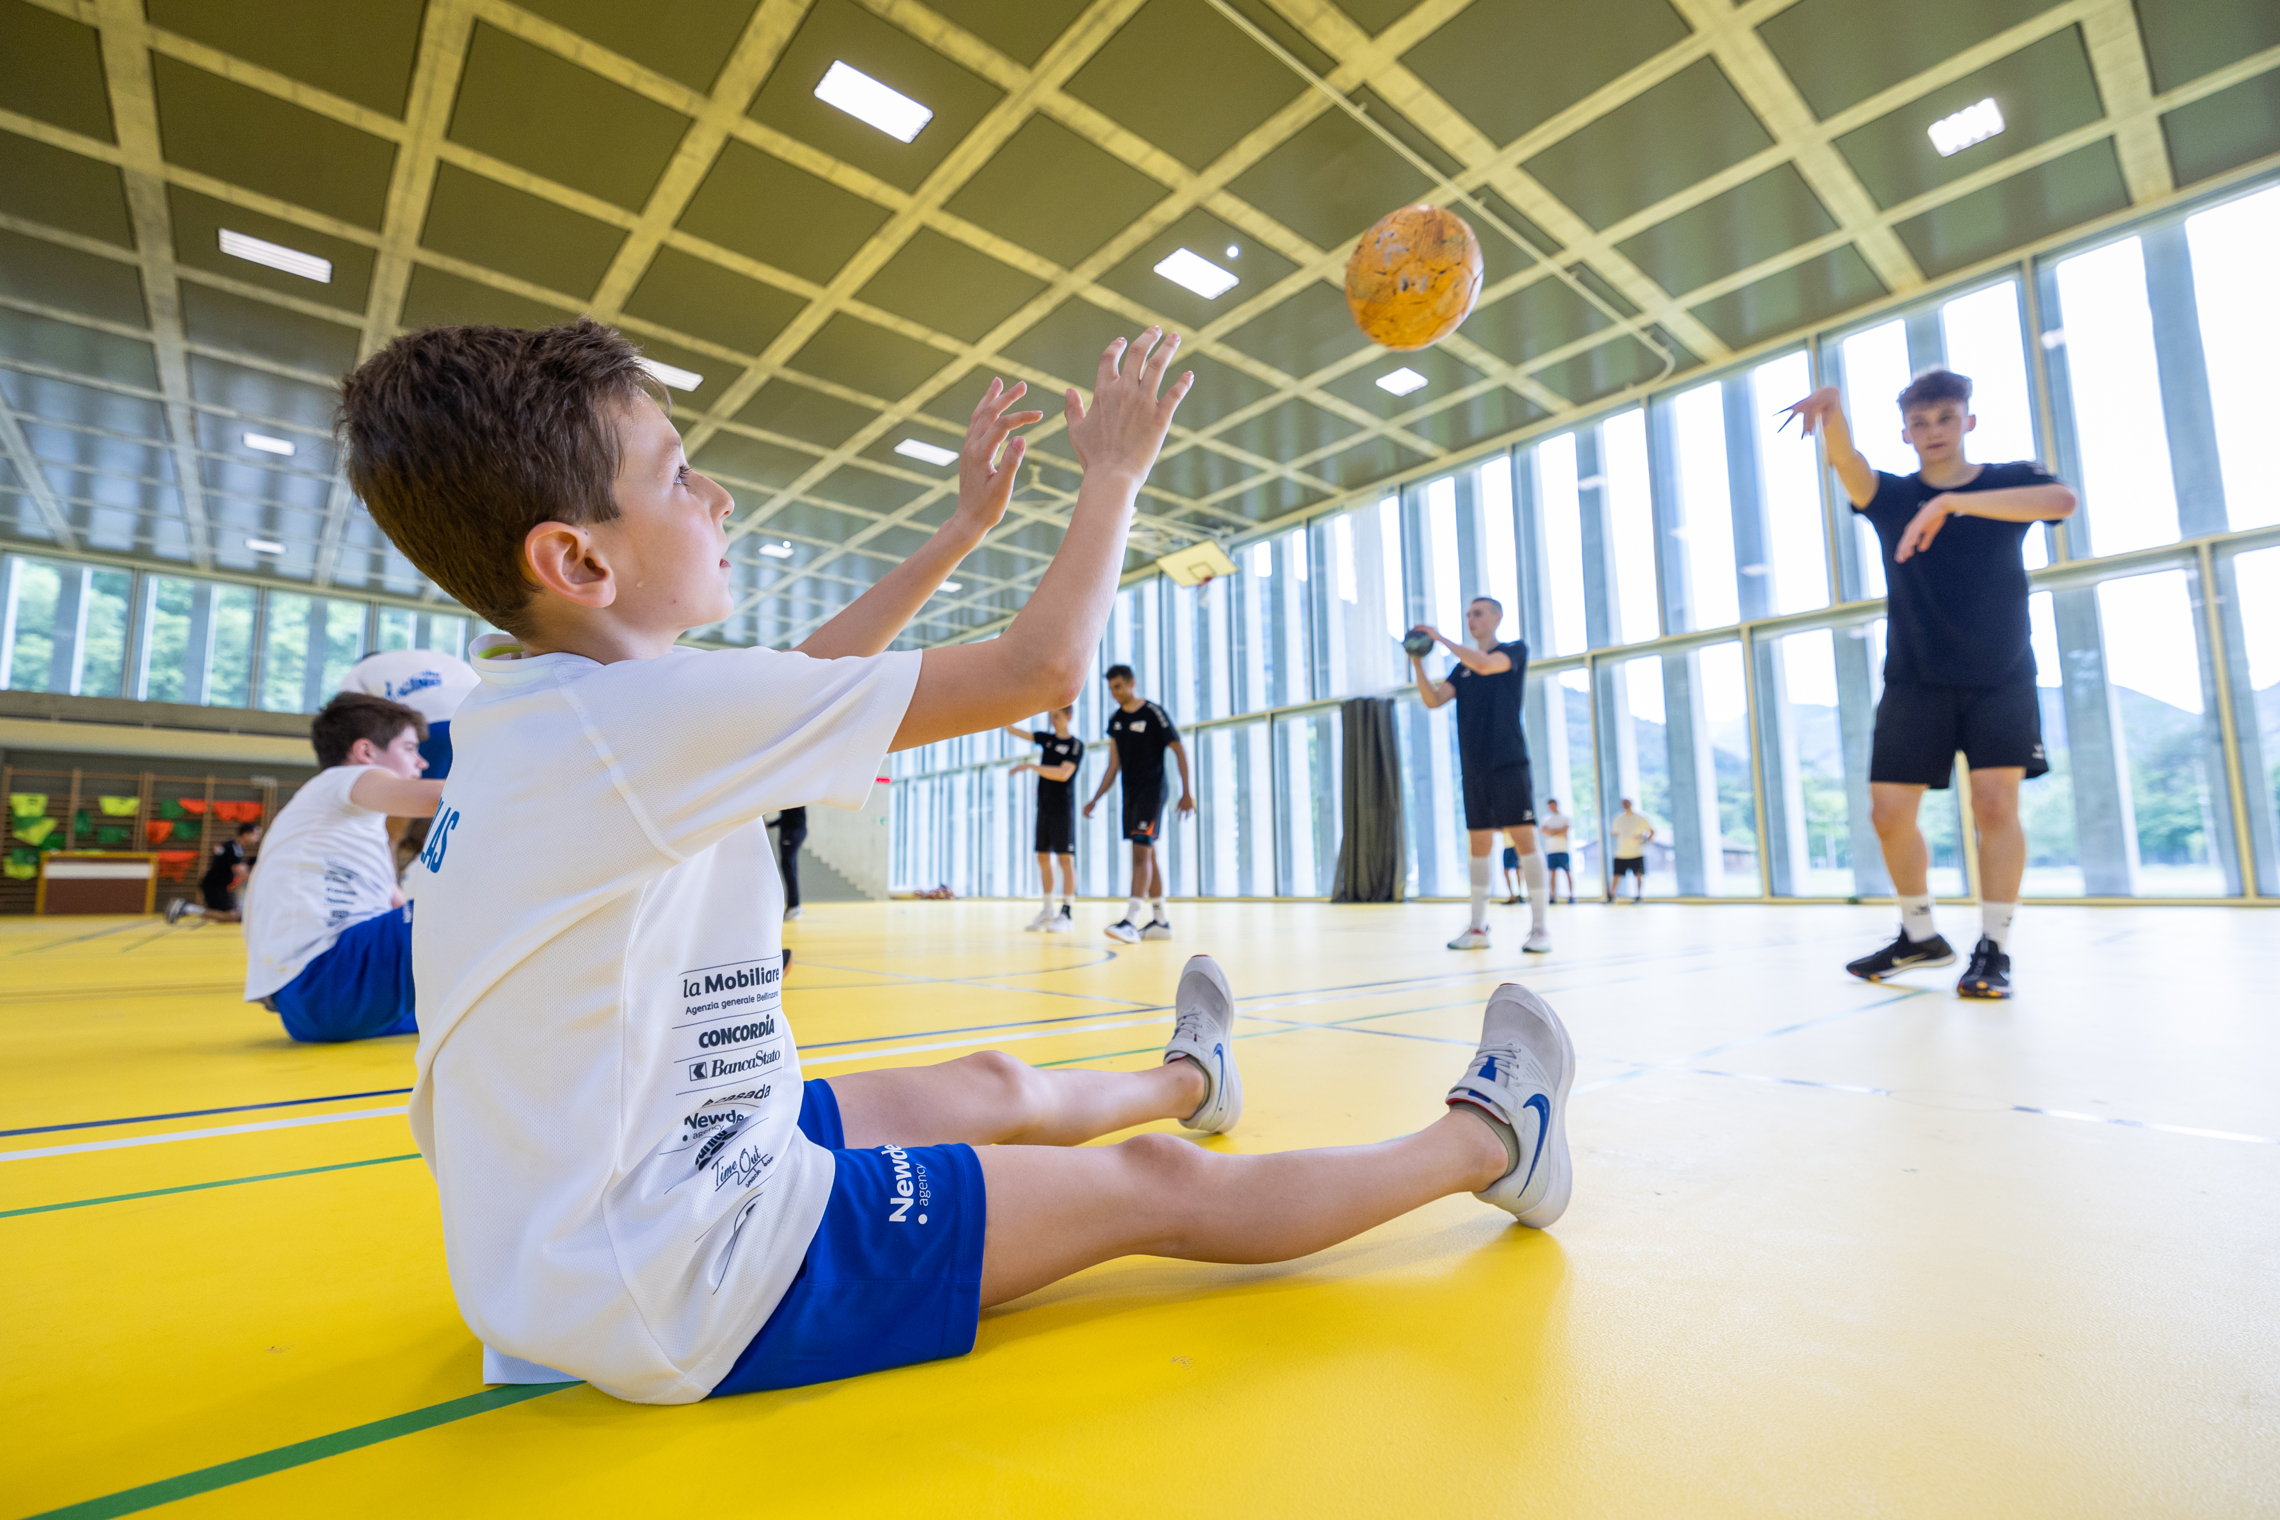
column 424, row 681
column 700, row 985
column 439, row 839
column 911, row 1186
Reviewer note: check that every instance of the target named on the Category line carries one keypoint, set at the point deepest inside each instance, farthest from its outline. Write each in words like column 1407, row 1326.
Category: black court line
column 200, row 1113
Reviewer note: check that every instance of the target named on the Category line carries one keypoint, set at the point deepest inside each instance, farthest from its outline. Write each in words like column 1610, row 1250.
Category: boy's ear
column 1970, row 421
column 564, row 559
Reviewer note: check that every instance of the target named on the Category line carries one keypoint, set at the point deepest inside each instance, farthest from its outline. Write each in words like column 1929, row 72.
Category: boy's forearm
column 2014, row 503
column 867, row 625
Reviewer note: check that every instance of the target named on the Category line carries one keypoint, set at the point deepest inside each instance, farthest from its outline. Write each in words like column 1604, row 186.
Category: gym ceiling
column 1704, row 176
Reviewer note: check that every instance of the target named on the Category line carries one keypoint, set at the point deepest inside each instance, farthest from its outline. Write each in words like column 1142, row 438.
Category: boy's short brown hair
column 355, row 715
column 460, row 440
column 1935, row 385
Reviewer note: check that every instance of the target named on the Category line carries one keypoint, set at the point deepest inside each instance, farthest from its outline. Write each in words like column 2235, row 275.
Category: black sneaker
column 1989, row 975
column 1903, row 954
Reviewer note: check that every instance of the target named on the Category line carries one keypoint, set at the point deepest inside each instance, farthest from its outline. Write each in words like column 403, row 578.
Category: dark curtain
column 1369, row 823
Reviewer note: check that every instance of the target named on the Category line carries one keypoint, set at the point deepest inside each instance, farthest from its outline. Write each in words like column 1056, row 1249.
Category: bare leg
column 1068, row 875
column 992, row 1099
column 1482, row 841
column 1045, row 874
column 1143, row 870
column 2002, row 842
column 1892, row 809
column 1155, row 875
column 1054, row 1212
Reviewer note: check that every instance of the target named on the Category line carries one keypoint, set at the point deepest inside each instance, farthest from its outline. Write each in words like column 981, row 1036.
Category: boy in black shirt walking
column 1056, row 768
column 1500, row 790
column 1959, row 671
column 1140, row 732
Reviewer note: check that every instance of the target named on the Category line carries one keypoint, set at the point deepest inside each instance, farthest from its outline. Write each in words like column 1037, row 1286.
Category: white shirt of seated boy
column 608, row 1092
column 325, row 865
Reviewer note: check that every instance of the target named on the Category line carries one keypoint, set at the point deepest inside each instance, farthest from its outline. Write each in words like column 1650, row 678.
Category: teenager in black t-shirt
column 1487, row 685
column 225, row 875
column 1060, row 752
column 1139, row 732
column 1959, row 671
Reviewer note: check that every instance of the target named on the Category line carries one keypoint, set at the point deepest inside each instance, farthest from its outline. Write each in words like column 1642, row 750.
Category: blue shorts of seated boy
column 359, row 989
column 894, row 1273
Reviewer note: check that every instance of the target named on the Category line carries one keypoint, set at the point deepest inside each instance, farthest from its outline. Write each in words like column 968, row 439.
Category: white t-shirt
column 325, row 864
column 1630, row 831
column 607, row 1093
column 430, row 684
column 1553, row 824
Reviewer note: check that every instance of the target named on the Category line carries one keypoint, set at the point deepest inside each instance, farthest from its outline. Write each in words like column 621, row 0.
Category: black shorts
column 1919, row 728
column 1057, row 830
column 1503, row 798
column 1631, row 865
column 219, row 898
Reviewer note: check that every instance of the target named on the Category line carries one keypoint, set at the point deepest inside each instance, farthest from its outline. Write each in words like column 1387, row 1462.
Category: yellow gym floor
column 1835, row 1248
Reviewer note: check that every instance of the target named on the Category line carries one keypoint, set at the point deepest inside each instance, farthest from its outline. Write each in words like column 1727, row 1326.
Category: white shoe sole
column 1127, row 937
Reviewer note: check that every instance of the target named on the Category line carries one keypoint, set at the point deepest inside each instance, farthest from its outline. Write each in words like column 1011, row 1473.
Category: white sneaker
column 1123, row 933
column 1205, row 1034
column 1538, row 942
column 1157, row 929
column 1043, row 920
column 1520, row 1078
column 790, row 914
column 1471, row 939
column 1060, row 923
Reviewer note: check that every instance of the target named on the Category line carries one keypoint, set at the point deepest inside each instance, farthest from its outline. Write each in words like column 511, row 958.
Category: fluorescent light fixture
column 667, row 374
column 1973, row 124
column 867, row 100
column 1196, row 273
column 778, row 551
column 277, row 256
column 1402, row 381
column 952, row 586
column 268, row 445
column 912, row 448
column 265, row 546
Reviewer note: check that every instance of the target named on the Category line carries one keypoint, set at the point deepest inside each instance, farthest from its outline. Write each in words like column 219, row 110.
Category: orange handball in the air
column 1413, row 277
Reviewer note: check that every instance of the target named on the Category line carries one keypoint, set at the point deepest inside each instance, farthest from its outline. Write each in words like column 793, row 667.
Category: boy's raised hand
column 1126, row 425
column 982, row 491
column 1812, row 410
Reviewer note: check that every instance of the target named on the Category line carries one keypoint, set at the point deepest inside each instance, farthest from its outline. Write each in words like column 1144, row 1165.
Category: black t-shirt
column 222, row 869
column 1141, row 737
column 1488, row 711
column 1056, row 796
column 1958, row 614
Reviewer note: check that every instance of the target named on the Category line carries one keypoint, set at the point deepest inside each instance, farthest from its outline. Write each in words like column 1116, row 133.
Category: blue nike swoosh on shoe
column 1543, row 1107
column 1488, row 1070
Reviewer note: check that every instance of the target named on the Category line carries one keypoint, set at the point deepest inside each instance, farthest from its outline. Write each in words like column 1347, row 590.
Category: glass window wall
column 1358, row 604
column 2113, row 380
column 2238, row 303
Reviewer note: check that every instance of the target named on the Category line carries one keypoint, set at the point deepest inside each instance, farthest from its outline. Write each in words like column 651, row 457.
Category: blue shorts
column 435, row 749
column 359, row 989
column 1556, row 860
column 1511, row 858
column 894, row 1274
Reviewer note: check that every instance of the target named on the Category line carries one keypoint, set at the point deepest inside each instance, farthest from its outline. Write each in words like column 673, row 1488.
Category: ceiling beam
column 2125, row 85
column 444, row 32
column 142, row 165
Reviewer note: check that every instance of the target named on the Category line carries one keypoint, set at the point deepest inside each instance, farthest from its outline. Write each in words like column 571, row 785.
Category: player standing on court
column 1056, row 766
column 1500, row 790
column 1141, row 732
column 1959, row 670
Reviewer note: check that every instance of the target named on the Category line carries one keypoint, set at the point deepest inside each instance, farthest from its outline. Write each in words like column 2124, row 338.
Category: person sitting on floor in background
column 224, row 879
column 328, row 937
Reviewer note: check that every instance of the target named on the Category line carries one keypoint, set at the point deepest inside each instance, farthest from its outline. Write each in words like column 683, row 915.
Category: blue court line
column 200, row 1113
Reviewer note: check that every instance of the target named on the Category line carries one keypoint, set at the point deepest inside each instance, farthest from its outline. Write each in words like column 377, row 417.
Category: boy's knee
column 1164, row 1159
column 1994, row 813
column 1016, row 1089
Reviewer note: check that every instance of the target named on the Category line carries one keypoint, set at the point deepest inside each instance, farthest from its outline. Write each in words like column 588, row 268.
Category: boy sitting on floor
column 328, row 937
column 636, row 1186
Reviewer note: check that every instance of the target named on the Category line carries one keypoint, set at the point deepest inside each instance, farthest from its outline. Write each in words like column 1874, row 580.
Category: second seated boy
column 636, row 1186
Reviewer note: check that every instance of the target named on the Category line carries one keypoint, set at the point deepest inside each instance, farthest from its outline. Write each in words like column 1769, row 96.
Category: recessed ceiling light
column 265, row 546
column 277, row 256
column 865, row 99
column 952, row 586
column 667, row 374
column 267, row 444
column 1972, row 124
column 1402, row 381
column 778, row 551
column 1197, row 273
column 912, row 448
column 1233, row 251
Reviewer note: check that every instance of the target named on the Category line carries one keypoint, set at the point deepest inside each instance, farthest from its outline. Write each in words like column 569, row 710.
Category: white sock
column 1048, row 904
column 1916, row 918
column 1156, row 907
column 1539, row 886
column 1132, row 911
column 1995, row 923
column 1480, row 891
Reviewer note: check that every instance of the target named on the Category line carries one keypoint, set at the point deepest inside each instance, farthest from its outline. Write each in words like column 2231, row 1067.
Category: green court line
column 199, row 1187
column 206, row 1479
